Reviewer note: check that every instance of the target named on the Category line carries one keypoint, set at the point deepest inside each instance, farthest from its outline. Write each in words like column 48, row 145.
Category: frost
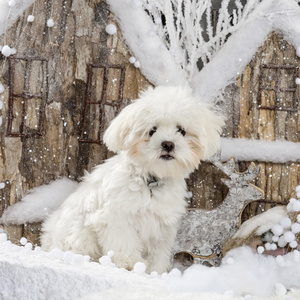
column 111, row 29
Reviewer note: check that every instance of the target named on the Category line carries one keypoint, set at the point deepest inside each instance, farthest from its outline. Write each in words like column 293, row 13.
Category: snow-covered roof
column 271, row 15
column 10, row 10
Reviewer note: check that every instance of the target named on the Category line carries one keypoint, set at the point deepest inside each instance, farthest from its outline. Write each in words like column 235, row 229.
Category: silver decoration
column 203, row 233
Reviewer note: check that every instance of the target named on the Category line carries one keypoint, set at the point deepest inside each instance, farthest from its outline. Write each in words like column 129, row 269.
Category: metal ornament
column 203, row 233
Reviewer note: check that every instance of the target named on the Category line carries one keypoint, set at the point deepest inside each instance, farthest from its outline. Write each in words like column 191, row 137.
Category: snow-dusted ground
column 34, row 274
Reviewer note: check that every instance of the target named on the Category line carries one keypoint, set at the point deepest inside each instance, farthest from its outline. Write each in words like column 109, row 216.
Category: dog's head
column 166, row 132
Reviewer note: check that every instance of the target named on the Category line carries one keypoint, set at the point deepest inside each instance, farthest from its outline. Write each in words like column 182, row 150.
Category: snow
column 30, row 18
column 111, row 29
column 6, row 50
column 247, row 274
column 280, row 151
column 50, row 23
column 9, row 14
column 40, row 202
column 270, row 15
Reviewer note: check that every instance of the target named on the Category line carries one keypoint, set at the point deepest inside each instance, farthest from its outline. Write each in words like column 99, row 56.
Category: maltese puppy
column 132, row 204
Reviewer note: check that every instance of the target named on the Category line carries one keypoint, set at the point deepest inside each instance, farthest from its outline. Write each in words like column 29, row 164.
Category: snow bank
column 260, row 150
column 28, row 274
column 40, row 202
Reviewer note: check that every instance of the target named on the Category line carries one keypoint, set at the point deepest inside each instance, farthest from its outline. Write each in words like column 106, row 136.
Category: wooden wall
column 77, row 39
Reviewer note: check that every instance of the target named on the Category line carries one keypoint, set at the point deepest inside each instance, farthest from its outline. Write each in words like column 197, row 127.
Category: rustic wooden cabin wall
column 45, row 99
column 267, row 108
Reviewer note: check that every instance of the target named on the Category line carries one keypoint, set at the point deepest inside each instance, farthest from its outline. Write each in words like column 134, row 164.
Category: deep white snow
column 34, row 274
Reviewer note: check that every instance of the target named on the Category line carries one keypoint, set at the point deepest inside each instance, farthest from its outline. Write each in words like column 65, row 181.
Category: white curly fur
column 132, row 204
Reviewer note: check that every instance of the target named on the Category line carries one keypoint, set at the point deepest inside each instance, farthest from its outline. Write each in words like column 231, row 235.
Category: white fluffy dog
column 132, row 204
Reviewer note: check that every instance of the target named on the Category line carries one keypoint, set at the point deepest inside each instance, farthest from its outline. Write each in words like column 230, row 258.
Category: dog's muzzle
column 168, row 147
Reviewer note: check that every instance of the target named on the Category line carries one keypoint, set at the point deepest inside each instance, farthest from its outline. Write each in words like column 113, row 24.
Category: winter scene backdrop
column 169, row 48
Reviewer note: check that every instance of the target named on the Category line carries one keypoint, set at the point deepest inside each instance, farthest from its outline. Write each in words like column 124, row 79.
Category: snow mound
column 39, row 203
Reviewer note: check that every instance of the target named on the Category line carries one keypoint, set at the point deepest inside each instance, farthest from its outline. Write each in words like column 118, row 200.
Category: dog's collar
column 152, row 182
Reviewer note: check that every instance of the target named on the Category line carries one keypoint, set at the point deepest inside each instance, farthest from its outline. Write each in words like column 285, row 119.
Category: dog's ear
column 119, row 133
column 210, row 126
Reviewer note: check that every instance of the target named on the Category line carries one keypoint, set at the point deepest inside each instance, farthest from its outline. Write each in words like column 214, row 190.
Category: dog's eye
column 182, row 131
column 152, row 131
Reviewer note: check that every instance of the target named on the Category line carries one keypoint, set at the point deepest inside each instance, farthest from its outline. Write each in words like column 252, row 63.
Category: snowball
column 11, row 3
column 268, row 246
column 13, row 51
column 285, row 222
column 57, row 253
column 1, row 88
column 277, row 229
column 280, row 289
column 3, row 237
column 23, row 241
column 275, row 238
column 175, row 273
column 38, row 249
column 293, row 244
column 289, row 236
column 297, row 81
column 6, row 51
column 30, row 18
column 2, row 185
column 110, row 253
column 260, row 249
column 154, row 274
column 273, row 246
column 137, row 64
column 28, row 246
column 292, row 200
column 297, row 189
column 111, row 29
column 298, row 195
column 50, row 23
column 282, row 242
column 289, row 207
column 230, row 261
column 132, row 60
column 296, row 206
column 295, row 228
column 135, row 3
column 298, row 218
column 139, row 268
column 105, row 260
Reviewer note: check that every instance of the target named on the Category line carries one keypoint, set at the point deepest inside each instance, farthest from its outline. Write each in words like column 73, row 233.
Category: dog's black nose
column 168, row 146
